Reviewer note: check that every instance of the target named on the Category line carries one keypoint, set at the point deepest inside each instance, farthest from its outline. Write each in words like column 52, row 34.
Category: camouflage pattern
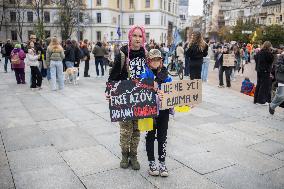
column 129, row 136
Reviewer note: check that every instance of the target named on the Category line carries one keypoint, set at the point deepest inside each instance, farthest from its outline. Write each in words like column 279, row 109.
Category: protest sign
column 180, row 93
column 132, row 100
column 228, row 60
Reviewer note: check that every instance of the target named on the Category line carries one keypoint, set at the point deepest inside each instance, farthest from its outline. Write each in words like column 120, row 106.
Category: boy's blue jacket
column 162, row 76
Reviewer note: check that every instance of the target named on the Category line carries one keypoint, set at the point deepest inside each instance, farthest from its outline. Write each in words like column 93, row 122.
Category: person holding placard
column 130, row 64
column 156, row 71
column 219, row 64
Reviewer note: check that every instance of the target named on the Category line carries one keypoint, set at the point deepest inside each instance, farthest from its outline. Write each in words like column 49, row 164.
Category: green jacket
column 54, row 54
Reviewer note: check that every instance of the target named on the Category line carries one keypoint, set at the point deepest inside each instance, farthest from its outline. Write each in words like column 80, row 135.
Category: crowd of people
column 138, row 59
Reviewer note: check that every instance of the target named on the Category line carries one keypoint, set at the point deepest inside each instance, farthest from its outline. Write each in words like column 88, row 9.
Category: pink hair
column 130, row 33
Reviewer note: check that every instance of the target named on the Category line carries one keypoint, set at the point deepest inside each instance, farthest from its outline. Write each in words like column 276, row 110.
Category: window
column 169, row 6
column 13, row 16
column 117, row 3
column 47, row 33
column 118, row 19
column 131, row 20
column 99, row 18
column 14, row 36
column 12, row 2
column 99, row 2
column 147, row 37
column 30, row 16
column 131, row 4
column 147, row 19
column 147, row 4
column 47, row 2
column 47, row 17
column 81, row 17
column 165, row 5
column 162, row 20
column 99, row 36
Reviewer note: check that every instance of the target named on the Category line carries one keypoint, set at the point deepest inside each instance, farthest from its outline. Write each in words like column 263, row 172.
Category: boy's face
column 155, row 63
column 137, row 38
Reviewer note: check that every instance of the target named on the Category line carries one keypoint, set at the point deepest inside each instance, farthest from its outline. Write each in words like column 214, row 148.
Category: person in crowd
column 180, row 53
column 86, row 57
column 264, row 60
column 6, row 52
column 69, row 52
column 197, row 49
column 78, row 55
column 186, row 46
column 205, row 65
column 130, row 67
column 47, row 42
column 279, row 75
column 54, row 58
column 237, row 54
column 32, row 61
column 156, row 71
column 219, row 64
column 18, row 64
column 99, row 53
column 106, row 57
column 244, row 57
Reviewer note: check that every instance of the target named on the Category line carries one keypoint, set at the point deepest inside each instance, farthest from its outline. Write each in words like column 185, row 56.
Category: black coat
column 196, row 54
column 69, row 53
column 8, row 48
column 264, row 60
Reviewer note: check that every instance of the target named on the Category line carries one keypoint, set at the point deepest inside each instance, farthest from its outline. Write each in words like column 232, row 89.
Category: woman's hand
column 107, row 96
column 160, row 94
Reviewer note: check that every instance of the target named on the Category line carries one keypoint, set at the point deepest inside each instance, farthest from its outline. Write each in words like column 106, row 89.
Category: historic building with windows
column 99, row 20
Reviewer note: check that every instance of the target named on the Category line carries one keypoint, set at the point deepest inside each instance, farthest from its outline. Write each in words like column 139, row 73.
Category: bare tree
column 71, row 15
column 20, row 17
column 38, row 7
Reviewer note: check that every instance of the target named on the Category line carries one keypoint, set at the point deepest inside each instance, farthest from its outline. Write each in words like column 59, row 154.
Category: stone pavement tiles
column 65, row 140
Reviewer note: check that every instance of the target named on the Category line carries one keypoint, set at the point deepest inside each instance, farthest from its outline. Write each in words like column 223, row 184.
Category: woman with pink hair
column 130, row 64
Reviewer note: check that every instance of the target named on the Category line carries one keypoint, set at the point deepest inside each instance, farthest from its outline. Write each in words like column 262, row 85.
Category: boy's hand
column 160, row 94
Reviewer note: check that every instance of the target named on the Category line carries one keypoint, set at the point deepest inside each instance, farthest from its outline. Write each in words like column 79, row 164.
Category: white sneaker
column 153, row 170
column 78, row 78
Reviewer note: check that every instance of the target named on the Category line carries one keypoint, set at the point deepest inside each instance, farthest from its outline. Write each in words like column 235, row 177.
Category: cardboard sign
column 228, row 60
column 180, row 93
column 132, row 100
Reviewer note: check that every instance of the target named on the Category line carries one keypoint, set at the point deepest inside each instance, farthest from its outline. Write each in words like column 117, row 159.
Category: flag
column 118, row 31
column 176, row 41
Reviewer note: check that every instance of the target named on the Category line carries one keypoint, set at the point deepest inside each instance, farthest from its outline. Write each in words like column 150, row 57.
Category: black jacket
column 195, row 53
column 264, row 60
column 77, row 52
column 117, row 73
column 8, row 48
column 69, row 53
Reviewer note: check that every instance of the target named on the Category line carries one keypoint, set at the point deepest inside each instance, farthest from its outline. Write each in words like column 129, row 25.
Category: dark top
column 136, row 65
column 69, row 53
column 195, row 53
column 8, row 48
column 264, row 60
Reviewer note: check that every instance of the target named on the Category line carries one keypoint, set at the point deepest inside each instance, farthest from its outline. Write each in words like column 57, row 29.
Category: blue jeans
column 99, row 61
column 186, row 66
column 6, row 63
column 278, row 98
column 56, row 69
column 205, row 66
column 69, row 64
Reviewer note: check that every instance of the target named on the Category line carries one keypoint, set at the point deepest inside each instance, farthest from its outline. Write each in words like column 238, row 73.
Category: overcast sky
column 195, row 7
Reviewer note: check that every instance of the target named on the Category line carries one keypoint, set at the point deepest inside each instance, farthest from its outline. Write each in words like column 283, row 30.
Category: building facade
column 102, row 19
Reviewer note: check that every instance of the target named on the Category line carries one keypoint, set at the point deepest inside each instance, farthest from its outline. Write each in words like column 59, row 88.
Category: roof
column 271, row 2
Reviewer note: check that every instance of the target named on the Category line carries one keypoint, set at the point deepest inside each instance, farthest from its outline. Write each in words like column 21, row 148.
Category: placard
column 132, row 100
column 228, row 60
column 180, row 93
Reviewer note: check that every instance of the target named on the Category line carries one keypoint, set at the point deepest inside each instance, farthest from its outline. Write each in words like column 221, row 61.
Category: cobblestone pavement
column 65, row 140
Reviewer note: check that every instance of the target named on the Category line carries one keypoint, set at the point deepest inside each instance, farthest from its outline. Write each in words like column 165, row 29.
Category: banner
column 132, row 100
column 180, row 93
column 228, row 60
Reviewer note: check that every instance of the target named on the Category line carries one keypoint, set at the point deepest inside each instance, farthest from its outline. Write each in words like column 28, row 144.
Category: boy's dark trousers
column 161, row 126
column 86, row 69
column 263, row 88
column 227, row 74
column 36, row 77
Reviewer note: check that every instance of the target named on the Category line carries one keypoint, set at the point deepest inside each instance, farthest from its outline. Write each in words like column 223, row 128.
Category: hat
column 154, row 53
column 18, row 46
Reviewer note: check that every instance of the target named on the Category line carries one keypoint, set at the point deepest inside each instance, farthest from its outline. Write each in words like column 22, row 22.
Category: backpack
column 3, row 51
column 122, row 60
column 15, row 59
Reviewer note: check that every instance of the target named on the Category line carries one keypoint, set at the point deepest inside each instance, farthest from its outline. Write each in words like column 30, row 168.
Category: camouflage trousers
column 129, row 136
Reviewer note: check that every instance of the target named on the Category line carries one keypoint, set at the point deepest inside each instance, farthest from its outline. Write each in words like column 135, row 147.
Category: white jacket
column 32, row 60
column 180, row 53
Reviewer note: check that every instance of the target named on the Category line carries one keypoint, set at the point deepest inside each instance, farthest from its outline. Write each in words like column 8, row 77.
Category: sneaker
column 221, row 86
column 163, row 170
column 78, row 78
column 153, row 170
column 271, row 111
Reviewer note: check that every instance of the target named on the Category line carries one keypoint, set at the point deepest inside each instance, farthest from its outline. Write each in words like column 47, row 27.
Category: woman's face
column 32, row 45
column 155, row 63
column 136, row 41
